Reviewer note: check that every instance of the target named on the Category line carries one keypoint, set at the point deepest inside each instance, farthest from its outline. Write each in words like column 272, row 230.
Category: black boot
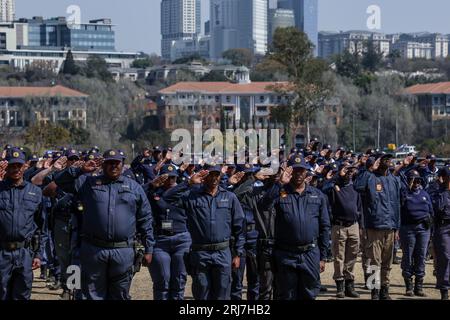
column 350, row 289
column 340, row 289
column 375, row 294
column 43, row 274
column 366, row 277
column 418, row 288
column 409, row 287
column 444, row 294
column 384, row 293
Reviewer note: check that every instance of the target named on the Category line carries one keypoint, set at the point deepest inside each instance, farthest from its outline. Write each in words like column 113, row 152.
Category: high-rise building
column 180, row 20
column 7, row 10
column 306, row 17
column 238, row 24
column 280, row 18
column 97, row 35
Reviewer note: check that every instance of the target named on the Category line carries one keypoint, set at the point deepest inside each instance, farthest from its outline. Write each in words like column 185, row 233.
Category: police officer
column 381, row 218
column 214, row 217
column 115, row 209
column 302, row 228
column 345, row 210
column 416, row 214
column 173, row 241
column 244, row 182
column 441, row 237
column 20, row 223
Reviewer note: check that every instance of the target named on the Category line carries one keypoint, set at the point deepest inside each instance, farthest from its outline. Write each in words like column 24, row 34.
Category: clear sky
column 138, row 21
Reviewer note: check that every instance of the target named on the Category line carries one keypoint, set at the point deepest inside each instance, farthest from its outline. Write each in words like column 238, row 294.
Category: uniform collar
column 106, row 180
column 9, row 184
column 290, row 189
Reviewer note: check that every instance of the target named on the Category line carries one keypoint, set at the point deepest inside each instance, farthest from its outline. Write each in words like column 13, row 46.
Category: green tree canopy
column 239, row 56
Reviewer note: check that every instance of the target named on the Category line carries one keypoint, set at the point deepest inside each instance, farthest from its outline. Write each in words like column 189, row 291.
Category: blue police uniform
column 20, row 223
column 114, row 211
column 441, row 237
column 212, row 222
column 416, row 212
column 302, row 231
column 244, row 192
column 173, row 241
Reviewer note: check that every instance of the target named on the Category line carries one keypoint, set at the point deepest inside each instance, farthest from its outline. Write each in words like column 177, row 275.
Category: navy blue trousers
column 414, row 241
column 16, row 275
column 167, row 269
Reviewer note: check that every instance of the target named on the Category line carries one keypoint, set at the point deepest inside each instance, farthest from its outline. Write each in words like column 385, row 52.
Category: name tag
column 167, row 225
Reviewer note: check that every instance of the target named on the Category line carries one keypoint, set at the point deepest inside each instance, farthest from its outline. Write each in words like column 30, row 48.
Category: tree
column 214, row 75
column 46, row 135
column 371, row 58
column 348, row 65
column 70, row 67
column 96, row 67
column 142, row 63
column 239, row 56
column 307, row 84
column 269, row 70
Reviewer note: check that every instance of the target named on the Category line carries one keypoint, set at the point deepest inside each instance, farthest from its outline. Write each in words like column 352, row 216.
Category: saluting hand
column 198, row 177
column 264, row 174
column 159, row 181
column 47, row 163
column 3, row 165
column 89, row 166
column 376, row 165
column 286, row 176
column 235, row 178
column 60, row 164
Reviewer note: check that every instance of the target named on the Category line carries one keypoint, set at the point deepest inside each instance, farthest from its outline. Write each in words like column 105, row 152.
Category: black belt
column 12, row 246
column 342, row 223
column 168, row 233
column 108, row 244
column 296, row 249
column 211, row 246
column 251, row 227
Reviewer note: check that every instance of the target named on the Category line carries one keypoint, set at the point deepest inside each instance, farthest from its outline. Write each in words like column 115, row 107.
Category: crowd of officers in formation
column 215, row 222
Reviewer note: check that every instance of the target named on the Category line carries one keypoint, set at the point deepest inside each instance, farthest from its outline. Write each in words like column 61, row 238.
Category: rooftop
column 430, row 88
column 56, row 91
column 222, row 87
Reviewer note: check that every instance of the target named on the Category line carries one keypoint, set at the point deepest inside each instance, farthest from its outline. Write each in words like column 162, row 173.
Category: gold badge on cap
column 170, row 168
column 298, row 160
column 15, row 154
column 91, row 157
column 112, row 153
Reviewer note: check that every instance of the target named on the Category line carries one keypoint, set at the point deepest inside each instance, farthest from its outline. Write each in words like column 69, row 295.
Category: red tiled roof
column 430, row 88
column 222, row 87
column 56, row 91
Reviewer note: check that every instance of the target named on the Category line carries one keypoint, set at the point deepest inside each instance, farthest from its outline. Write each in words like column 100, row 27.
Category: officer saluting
column 214, row 216
column 20, row 210
column 115, row 209
column 302, row 226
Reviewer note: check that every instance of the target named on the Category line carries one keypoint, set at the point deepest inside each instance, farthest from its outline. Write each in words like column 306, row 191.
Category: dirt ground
column 142, row 285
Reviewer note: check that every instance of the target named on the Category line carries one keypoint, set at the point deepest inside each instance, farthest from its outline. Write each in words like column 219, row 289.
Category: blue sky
column 138, row 21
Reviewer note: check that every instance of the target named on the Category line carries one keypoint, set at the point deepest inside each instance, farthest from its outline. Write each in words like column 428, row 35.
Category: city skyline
column 138, row 28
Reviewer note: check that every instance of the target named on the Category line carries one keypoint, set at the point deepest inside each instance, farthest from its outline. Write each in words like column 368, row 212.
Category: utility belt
column 296, row 249
column 211, row 246
column 342, row 223
column 12, row 246
column 108, row 244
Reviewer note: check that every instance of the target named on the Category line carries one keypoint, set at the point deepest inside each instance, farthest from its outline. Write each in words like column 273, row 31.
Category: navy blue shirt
column 441, row 204
column 113, row 210
column 163, row 210
column 416, row 206
column 301, row 219
column 211, row 219
column 345, row 202
column 20, row 212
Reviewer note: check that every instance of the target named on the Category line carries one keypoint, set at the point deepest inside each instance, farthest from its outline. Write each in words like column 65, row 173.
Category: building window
column 217, row 98
column 435, row 100
column 261, row 98
column 228, row 98
column 442, row 110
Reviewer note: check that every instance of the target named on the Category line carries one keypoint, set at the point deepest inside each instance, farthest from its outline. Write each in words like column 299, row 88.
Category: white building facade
column 7, row 10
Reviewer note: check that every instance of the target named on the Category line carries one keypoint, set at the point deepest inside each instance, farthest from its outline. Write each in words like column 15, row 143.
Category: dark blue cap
column 48, row 154
column 15, row 155
column 246, row 168
column 33, row 158
column 114, row 154
column 444, row 172
column 326, row 146
column 431, row 157
column 170, row 170
column 57, row 155
column 297, row 161
column 72, row 153
column 213, row 167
